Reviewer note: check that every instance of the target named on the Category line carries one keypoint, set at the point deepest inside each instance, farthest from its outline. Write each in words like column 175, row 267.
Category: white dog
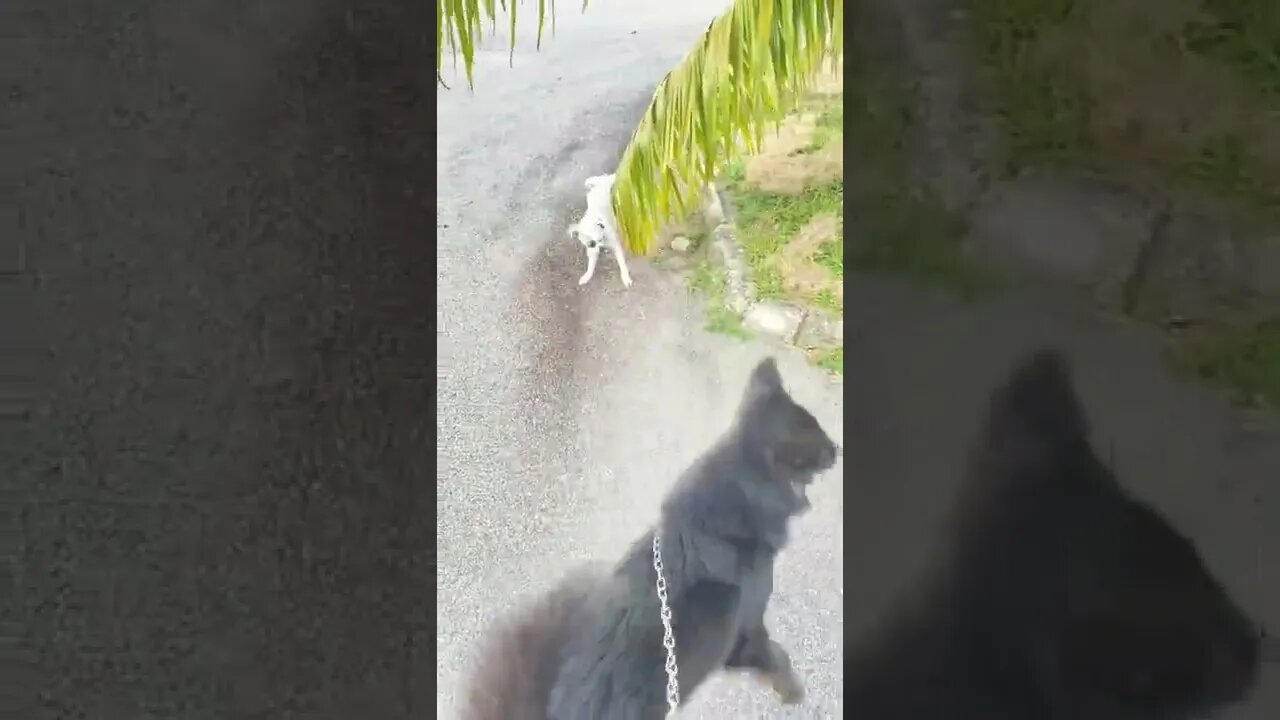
column 598, row 228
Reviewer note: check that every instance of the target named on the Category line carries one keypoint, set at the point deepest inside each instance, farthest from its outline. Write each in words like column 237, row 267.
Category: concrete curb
column 739, row 289
column 794, row 324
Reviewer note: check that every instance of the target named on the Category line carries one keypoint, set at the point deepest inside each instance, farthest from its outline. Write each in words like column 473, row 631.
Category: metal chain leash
column 668, row 637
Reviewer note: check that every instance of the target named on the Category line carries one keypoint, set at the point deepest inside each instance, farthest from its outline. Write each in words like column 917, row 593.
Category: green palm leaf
column 753, row 64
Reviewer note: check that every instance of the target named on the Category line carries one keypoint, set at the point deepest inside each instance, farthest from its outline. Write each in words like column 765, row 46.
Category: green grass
column 880, row 106
column 767, row 221
column 706, row 280
column 721, row 319
column 827, row 300
column 1045, row 115
column 830, row 123
column 1029, row 50
column 831, row 256
column 1245, row 359
column 902, row 230
column 787, row 213
column 1224, row 167
column 734, row 172
column 1245, row 35
column 831, row 360
column 913, row 235
column 1024, row 48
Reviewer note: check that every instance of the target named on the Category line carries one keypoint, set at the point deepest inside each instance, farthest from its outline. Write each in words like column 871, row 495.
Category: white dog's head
column 590, row 232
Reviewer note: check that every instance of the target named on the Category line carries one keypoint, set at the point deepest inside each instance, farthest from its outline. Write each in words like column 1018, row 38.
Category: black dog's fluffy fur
column 592, row 650
column 1060, row 596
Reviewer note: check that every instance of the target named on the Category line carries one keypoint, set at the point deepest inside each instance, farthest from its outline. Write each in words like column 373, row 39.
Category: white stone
column 774, row 319
column 820, row 329
column 681, row 244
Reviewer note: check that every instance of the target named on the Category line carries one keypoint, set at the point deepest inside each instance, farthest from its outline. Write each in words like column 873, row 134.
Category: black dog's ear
column 1036, row 415
column 1041, row 399
column 1035, row 433
column 765, row 381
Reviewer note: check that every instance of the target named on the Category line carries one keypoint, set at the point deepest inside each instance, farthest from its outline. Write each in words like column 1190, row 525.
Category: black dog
column 1060, row 596
column 593, row 649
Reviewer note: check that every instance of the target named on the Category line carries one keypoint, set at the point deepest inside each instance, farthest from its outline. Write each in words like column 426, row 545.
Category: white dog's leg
column 621, row 257
column 593, row 254
column 619, row 254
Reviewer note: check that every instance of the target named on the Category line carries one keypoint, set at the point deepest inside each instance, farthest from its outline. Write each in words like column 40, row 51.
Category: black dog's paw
column 788, row 686
column 782, row 676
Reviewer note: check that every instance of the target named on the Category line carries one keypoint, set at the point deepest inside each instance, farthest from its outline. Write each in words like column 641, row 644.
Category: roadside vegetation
column 1180, row 99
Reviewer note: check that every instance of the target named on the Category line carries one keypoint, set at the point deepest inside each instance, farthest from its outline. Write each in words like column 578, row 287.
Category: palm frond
column 753, row 65
column 460, row 23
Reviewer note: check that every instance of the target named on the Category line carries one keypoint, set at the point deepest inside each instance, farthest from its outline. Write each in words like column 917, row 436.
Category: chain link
column 668, row 637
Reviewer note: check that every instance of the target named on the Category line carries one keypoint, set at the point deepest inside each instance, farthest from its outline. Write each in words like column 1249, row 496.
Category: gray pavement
column 564, row 412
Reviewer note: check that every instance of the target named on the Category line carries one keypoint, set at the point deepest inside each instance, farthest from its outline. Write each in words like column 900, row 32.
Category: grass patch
column 767, row 278
column 829, row 125
column 1223, row 165
column 1245, row 359
column 1177, row 91
column 721, row 319
column 831, row 360
column 787, row 213
column 734, row 172
column 827, row 300
column 830, row 255
column 915, row 236
column 1045, row 116
column 704, row 279
column 1177, row 97
column 767, row 221
column 1245, row 35
column 901, row 229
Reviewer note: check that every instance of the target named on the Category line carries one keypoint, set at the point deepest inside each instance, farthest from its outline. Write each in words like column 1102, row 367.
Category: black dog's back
column 594, row 648
column 1058, row 595
column 721, row 528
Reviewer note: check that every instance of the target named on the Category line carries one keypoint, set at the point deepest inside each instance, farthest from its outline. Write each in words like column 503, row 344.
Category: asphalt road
column 564, row 412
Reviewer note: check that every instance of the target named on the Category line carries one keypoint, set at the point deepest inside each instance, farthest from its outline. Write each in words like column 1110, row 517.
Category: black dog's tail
column 1039, row 403
column 518, row 664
